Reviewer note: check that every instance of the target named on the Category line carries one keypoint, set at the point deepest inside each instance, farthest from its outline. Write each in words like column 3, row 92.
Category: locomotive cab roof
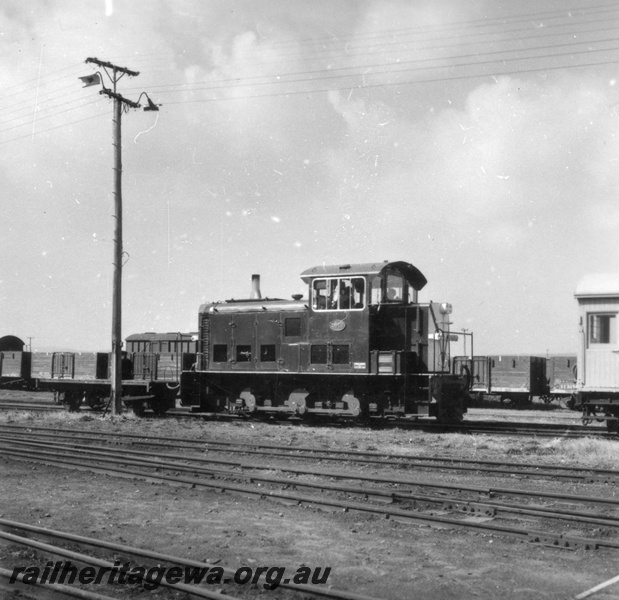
column 412, row 274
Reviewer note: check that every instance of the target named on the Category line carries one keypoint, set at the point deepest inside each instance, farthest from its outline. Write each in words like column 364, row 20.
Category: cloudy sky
column 477, row 140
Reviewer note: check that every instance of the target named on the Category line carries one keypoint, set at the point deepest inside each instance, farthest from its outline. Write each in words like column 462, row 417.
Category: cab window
column 390, row 288
column 338, row 293
column 395, row 288
column 376, row 286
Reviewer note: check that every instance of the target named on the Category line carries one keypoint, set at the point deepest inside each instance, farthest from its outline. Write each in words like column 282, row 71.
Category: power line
column 349, row 46
column 455, row 25
column 424, row 30
column 332, row 72
column 369, row 70
column 359, row 87
column 428, row 30
column 396, row 84
column 82, row 104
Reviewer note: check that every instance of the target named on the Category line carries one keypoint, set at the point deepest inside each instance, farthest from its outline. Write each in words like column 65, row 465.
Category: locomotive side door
column 243, row 343
column 293, row 344
column 267, row 340
column 338, row 325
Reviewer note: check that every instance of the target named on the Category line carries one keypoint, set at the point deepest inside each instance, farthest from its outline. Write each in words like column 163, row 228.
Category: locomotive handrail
column 443, row 339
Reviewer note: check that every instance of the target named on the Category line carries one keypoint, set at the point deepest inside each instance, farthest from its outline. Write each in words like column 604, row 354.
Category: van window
column 602, row 329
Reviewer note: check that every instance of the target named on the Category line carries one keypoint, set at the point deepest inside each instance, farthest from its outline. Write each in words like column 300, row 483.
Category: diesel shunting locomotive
column 359, row 344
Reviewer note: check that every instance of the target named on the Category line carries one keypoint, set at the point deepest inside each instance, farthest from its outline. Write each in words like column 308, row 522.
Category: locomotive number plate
column 337, row 325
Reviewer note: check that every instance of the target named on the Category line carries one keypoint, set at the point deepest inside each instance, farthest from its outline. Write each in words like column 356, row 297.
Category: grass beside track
column 585, row 452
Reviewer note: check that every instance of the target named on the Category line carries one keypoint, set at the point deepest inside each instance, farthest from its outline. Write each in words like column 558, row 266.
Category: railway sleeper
column 471, row 508
column 562, row 541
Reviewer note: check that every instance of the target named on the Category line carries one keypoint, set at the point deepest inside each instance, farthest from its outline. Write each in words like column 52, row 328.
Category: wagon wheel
column 507, row 400
column 588, row 415
column 158, row 407
column 139, row 409
column 95, row 402
column 612, row 426
column 72, row 400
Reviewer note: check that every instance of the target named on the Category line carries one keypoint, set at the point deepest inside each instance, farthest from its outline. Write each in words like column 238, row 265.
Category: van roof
column 602, row 285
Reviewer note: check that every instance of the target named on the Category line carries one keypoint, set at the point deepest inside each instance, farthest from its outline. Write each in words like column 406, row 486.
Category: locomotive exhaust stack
column 255, row 288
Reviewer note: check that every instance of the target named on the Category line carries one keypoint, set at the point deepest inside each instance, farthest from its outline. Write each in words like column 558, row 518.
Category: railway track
column 36, row 406
column 52, row 543
column 50, row 591
column 535, row 514
column 473, row 426
column 308, row 453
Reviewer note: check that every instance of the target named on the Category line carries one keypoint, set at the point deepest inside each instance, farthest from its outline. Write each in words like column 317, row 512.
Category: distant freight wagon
column 515, row 379
column 151, row 370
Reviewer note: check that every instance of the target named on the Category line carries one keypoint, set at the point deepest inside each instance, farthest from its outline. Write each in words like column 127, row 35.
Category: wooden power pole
column 114, row 73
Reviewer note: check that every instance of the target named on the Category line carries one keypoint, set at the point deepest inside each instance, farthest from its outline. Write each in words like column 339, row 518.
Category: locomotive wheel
column 297, row 401
column 249, row 400
column 352, row 402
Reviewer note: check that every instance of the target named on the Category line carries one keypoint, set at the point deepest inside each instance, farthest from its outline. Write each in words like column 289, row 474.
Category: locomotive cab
column 366, row 319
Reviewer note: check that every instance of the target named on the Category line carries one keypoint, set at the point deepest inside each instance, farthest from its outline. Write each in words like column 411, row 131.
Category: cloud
column 466, row 178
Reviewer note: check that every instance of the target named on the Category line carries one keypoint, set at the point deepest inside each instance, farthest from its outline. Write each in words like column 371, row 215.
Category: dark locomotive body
column 359, row 344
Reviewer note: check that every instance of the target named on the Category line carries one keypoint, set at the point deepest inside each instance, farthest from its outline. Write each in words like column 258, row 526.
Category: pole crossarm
column 122, row 99
column 109, row 65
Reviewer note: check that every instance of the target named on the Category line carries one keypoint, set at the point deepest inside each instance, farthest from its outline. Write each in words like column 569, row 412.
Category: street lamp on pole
column 115, row 73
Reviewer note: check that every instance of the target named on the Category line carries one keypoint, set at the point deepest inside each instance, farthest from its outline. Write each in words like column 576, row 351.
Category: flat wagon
column 514, row 378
